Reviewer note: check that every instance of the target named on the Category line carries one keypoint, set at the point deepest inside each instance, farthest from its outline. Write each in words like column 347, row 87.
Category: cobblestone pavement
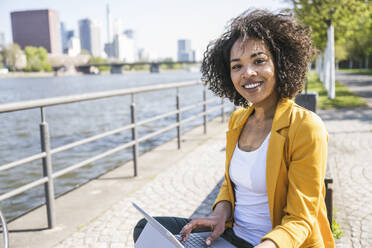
column 189, row 188
column 359, row 84
column 350, row 161
column 178, row 191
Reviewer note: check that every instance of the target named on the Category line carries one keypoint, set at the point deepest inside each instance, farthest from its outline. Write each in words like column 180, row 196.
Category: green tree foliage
column 359, row 42
column 84, row 52
column 345, row 15
column 99, row 60
column 340, row 52
column 173, row 66
column 37, row 59
column 11, row 55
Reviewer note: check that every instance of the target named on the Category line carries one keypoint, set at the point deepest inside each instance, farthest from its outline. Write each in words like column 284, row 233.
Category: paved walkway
column 177, row 191
column 350, row 161
column 190, row 184
column 359, row 84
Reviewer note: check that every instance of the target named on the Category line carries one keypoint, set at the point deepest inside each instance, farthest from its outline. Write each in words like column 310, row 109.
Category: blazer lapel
column 275, row 150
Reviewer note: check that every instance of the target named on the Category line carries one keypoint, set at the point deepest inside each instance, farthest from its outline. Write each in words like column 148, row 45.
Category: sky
column 158, row 24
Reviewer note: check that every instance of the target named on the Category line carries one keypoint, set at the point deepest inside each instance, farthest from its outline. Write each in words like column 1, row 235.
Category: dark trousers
column 175, row 225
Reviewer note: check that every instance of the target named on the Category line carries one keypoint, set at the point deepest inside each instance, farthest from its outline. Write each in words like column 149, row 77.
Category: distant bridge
column 117, row 68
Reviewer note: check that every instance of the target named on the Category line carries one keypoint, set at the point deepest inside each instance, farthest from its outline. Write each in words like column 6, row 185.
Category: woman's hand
column 213, row 223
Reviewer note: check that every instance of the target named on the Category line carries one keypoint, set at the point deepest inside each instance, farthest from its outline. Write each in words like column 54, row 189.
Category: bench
column 328, row 196
column 308, row 101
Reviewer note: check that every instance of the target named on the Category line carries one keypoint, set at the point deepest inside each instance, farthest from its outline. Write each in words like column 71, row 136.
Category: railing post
column 47, row 171
column 205, row 109
column 222, row 111
column 5, row 230
column 178, row 104
column 134, row 135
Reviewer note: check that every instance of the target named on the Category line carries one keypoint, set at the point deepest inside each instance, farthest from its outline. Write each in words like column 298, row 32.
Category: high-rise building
column 90, row 36
column 37, row 28
column 2, row 40
column 64, row 40
column 124, row 48
column 185, row 53
column 73, row 46
column 129, row 33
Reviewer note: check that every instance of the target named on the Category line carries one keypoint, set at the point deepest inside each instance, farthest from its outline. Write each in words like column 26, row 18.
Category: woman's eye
column 236, row 67
column 260, row 61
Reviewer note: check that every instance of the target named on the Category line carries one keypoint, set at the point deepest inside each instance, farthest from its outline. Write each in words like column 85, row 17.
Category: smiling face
column 252, row 71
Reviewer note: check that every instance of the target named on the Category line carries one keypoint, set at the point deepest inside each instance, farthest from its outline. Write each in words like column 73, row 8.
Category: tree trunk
column 367, row 60
column 331, row 63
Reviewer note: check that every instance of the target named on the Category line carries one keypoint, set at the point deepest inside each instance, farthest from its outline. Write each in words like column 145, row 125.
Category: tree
column 331, row 22
column 13, row 57
column 359, row 42
column 345, row 15
column 37, row 59
column 84, row 52
column 99, row 60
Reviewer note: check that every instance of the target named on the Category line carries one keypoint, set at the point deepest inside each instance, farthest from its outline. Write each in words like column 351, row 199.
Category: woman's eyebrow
column 252, row 56
column 234, row 60
column 256, row 54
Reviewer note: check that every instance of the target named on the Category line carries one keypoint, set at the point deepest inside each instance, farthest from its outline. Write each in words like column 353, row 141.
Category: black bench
column 328, row 198
column 308, row 100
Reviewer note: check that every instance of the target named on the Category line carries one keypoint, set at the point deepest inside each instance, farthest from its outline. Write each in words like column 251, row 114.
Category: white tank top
column 248, row 173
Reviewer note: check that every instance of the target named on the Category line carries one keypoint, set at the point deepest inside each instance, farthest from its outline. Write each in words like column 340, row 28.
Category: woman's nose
column 249, row 72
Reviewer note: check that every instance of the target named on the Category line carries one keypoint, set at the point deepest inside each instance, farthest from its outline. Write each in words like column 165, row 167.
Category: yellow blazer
column 295, row 171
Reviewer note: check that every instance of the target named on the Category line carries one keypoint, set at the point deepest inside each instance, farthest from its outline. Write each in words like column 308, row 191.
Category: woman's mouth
column 252, row 86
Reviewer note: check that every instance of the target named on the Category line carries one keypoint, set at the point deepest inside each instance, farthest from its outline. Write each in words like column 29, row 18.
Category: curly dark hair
column 288, row 41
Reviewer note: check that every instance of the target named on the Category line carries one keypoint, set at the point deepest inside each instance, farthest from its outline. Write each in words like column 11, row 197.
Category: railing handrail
column 23, row 105
column 71, row 145
column 47, row 151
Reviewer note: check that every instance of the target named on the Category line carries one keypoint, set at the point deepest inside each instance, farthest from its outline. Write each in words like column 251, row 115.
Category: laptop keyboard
column 194, row 241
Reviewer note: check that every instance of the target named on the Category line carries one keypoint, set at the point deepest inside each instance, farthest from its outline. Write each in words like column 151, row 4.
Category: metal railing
column 47, row 152
column 5, row 230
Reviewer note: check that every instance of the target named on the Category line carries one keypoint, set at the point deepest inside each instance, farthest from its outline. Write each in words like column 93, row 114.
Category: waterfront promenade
column 172, row 182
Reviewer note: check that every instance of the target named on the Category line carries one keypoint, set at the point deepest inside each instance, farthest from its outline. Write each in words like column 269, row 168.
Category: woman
column 276, row 153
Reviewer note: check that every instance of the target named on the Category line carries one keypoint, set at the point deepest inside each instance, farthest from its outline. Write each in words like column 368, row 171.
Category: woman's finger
column 213, row 236
column 194, row 224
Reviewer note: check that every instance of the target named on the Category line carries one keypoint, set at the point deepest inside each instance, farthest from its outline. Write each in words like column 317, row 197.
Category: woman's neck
column 265, row 111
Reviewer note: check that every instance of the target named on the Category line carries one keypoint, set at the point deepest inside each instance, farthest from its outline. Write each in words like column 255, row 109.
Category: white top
column 248, row 173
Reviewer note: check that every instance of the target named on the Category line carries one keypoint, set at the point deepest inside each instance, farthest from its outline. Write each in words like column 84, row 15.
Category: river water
column 20, row 136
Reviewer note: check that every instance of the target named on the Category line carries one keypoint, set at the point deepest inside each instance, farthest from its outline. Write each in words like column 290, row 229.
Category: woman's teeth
column 250, row 86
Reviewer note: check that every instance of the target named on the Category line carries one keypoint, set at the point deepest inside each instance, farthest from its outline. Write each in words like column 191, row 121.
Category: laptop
column 155, row 235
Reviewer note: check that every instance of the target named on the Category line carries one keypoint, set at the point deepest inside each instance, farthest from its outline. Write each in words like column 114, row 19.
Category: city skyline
column 158, row 24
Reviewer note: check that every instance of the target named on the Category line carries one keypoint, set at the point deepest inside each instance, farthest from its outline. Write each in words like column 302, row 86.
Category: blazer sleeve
column 306, row 171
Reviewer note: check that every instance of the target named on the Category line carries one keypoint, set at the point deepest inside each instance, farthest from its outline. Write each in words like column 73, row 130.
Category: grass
column 344, row 97
column 336, row 231
column 357, row 71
